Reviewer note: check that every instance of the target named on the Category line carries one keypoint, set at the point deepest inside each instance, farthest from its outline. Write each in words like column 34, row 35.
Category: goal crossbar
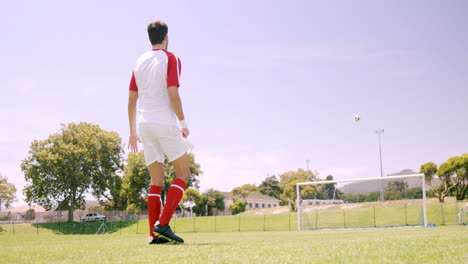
column 419, row 175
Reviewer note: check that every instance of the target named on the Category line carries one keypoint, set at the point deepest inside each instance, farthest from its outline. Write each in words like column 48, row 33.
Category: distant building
column 254, row 201
column 318, row 201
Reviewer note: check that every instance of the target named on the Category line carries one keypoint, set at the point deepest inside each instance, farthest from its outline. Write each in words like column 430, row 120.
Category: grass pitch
column 393, row 245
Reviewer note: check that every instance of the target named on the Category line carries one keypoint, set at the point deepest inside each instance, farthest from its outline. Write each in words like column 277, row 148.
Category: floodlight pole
column 307, row 161
column 378, row 132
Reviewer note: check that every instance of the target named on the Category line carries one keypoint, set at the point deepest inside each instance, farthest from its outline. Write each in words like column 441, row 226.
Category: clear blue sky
column 265, row 84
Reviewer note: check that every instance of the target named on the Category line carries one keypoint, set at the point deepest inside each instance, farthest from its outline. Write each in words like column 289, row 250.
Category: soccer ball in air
column 357, row 118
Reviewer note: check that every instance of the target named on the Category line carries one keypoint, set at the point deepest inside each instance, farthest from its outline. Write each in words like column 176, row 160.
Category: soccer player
column 161, row 128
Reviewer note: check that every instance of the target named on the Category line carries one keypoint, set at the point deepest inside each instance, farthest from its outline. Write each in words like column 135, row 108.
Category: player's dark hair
column 157, row 31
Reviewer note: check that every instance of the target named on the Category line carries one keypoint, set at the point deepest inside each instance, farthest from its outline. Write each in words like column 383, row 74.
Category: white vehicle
column 93, row 217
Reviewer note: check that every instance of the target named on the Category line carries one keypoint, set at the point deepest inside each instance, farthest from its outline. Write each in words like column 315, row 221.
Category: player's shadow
column 198, row 244
column 84, row 228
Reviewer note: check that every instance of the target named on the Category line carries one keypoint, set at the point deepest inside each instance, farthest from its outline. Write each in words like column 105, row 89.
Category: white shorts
column 160, row 139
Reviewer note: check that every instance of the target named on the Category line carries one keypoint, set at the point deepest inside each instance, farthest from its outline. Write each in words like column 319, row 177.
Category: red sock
column 154, row 207
column 174, row 195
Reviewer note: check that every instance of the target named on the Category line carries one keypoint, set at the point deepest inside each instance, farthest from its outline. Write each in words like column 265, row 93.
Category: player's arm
column 173, row 73
column 132, row 105
column 176, row 103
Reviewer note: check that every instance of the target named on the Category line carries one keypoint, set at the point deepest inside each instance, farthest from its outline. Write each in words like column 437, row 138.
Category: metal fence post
column 406, row 215
column 289, row 221
column 194, row 224
column 344, row 218
column 375, row 225
column 442, row 211
column 239, row 223
column 264, row 218
column 316, row 219
column 138, row 220
column 215, row 223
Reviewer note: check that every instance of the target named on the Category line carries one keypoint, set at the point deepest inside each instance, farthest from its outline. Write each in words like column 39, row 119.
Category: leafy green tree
column 118, row 200
column 360, row 197
column 237, row 207
column 200, row 205
column 190, row 199
column 429, row 169
column 300, row 174
column 30, row 215
column 242, row 192
column 329, row 189
column 396, row 186
column 215, row 200
column 270, row 186
column 461, row 191
column 169, row 175
column 136, row 180
column 307, row 192
column 454, row 176
column 82, row 158
column 412, row 193
column 394, row 190
column 7, row 193
column 290, row 193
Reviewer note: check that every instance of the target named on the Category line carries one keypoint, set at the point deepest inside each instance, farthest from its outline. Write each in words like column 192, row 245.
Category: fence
column 448, row 213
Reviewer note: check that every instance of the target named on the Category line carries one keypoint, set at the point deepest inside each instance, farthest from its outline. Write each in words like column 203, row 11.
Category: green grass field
column 250, row 238
column 391, row 245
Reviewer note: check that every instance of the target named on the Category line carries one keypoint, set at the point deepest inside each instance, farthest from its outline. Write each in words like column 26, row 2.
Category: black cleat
column 158, row 240
column 166, row 232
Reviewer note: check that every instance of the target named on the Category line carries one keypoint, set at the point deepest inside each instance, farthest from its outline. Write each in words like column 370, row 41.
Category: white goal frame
column 298, row 201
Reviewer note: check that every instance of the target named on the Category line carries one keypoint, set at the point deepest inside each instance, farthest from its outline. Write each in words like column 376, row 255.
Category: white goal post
column 298, row 201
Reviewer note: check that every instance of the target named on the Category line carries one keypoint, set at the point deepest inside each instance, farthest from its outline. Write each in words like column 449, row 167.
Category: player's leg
column 176, row 191
column 174, row 196
column 156, row 170
column 154, row 158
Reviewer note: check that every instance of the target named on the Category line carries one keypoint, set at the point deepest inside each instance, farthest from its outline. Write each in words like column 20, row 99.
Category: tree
column 396, row 186
column 454, row 176
column 270, row 186
column 237, row 207
column 300, row 174
column 290, row 193
column 242, row 192
column 215, row 200
column 30, row 214
column 81, row 158
column 461, row 192
column 329, row 189
column 169, row 175
column 200, row 205
column 296, row 176
column 307, row 192
column 190, row 199
column 118, row 200
column 7, row 193
column 136, row 180
column 429, row 169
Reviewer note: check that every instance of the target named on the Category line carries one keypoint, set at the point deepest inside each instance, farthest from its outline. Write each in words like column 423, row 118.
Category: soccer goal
column 391, row 201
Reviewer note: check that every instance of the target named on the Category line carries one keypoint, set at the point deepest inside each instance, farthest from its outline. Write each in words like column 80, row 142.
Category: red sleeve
column 173, row 70
column 133, row 85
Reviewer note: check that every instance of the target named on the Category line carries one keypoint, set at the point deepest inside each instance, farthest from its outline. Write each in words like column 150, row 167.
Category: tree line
column 84, row 159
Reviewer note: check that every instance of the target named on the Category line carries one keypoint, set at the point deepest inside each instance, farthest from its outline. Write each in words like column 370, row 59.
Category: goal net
column 390, row 201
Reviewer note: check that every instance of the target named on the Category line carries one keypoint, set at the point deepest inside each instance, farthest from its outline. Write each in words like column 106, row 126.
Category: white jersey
column 153, row 73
